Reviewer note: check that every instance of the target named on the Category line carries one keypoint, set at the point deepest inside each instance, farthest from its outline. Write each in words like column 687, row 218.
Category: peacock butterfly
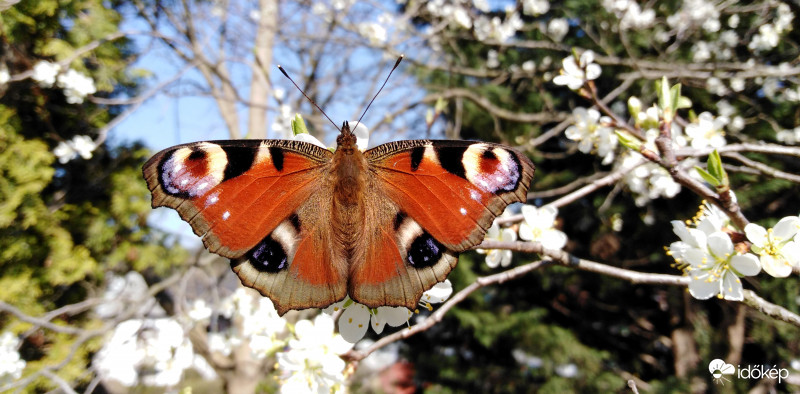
column 306, row 226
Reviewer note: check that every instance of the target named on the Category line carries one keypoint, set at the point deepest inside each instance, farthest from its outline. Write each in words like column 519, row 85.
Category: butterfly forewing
column 453, row 189
column 234, row 193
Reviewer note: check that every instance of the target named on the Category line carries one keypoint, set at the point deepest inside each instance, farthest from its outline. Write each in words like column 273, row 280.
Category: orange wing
column 427, row 201
column 234, row 193
column 453, row 189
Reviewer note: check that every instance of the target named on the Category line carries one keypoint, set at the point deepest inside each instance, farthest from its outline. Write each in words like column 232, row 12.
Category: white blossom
column 374, row 32
column 592, row 134
column 76, row 86
column 461, row 17
column 11, row 365
column 766, row 38
column 153, row 351
column 576, row 72
column 45, row 72
column 491, row 59
column 776, row 247
column 557, row 28
column 356, row 318
column 648, row 181
column 312, row 363
column 80, row 145
column 716, row 269
column 790, row 137
column 539, row 226
column 4, row 75
column 706, row 131
column 498, row 257
column 535, row 7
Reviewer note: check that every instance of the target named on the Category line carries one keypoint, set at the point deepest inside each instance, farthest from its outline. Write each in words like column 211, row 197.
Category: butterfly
column 306, row 226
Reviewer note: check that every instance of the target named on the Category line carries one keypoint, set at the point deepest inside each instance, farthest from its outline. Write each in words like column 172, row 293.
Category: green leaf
column 706, row 176
column 675, row 96
column 715, row 168
column 628, row 140
column 299, row 125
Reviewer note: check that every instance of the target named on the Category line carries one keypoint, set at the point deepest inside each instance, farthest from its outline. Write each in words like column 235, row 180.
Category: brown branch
column 501, row 113
column 763, row 168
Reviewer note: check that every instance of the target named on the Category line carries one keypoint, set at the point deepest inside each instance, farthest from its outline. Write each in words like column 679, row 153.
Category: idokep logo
column 720, row 368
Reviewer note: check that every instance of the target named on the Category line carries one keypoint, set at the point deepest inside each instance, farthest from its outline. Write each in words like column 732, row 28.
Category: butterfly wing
column 453, row 189
column 251, row 201
column 234, row 192
column 432, row 199
column 299, row 264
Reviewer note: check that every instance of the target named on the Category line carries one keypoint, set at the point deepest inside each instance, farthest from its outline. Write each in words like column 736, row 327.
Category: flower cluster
column 76, row 85
column 11, row 365
column 593, row 133
column 706, row 254
column 576, row 72
column 356, row 317
column 777, row 247
column 80, row 145
column 311, row 364
column 538, row 226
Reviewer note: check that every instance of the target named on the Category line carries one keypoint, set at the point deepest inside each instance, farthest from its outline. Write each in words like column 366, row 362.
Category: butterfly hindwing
column 298, row 265
column 400, row 260
column 232, row 193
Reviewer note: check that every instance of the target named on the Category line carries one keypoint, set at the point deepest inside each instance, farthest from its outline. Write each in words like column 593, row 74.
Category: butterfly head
column 346, row 141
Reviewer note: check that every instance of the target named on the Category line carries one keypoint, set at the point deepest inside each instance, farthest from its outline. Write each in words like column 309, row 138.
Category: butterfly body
column 306, row 226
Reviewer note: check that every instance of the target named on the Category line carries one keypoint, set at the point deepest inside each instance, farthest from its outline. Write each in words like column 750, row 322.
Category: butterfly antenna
column 309, row 98
column 397, row 63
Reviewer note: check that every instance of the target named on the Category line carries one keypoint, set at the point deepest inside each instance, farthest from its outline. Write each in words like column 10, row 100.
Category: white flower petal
column 439, row 292
column 696, row 257
column 701, row 288
column 592, row 72
column 394, row 316
column 493, row 258
column 362, row 134
column 786, row 228
column 354, row 322
column 720, row 245
column 756, row 234
column 791, row 252
column 775, row 266
column 508, row 235
column 732, row 287
column 746, row 264
column 525, row 232
column 553, row 239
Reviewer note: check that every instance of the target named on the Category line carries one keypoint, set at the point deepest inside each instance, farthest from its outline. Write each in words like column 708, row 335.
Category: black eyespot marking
column 197, row 154
column 450, row 157
column 277, row 157
column 295, row 221
column 425, row 251
column 268, row 256
column 398, row 220
column 489, row 154
column 240, row 159
column 416, row 157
